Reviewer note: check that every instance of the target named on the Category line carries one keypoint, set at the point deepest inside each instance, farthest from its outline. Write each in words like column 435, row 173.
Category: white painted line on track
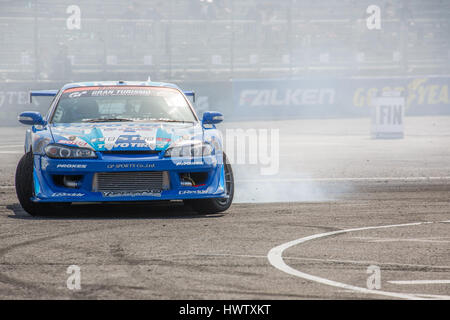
column 11, row 151
column 420, row 282
column 327, row 260
column 276, row 259
column 379, row 240
column 407, row 265
column 410, row 240
column 381, row 179
column 434, row 296
column 11, row 146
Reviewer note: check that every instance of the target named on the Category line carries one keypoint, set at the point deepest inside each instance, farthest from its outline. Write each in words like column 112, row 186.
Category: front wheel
column 25, row 187
column 216, row 205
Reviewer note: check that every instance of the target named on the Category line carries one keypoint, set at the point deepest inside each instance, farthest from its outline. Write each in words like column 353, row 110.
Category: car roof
column 119, row 83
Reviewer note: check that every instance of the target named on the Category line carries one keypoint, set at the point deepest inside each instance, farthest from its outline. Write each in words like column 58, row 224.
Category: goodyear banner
column 336, row 97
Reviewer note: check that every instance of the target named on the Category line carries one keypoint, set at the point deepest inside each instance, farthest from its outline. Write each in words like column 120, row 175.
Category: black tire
column 25, row 187
column 216, row 205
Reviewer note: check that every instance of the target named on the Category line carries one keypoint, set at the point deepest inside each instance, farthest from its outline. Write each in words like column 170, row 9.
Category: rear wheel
column 25, row 187
column 216, row 205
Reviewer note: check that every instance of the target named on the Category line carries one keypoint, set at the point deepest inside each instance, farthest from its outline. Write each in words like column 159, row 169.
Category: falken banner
column 336, row 97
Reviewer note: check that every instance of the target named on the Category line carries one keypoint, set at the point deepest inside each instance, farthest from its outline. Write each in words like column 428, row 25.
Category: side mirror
column 212, row 117
column 31, row 118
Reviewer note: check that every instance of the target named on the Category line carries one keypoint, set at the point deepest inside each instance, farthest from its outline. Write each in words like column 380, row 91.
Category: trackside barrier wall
column 273, row 99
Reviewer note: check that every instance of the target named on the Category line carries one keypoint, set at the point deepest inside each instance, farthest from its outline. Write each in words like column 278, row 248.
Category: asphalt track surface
column 341, row 202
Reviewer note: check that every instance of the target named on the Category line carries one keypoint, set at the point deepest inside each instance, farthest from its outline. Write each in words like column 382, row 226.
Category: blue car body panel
column 123, row 147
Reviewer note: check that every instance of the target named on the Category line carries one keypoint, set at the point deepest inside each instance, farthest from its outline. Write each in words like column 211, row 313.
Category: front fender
column 37, row 138
column 27, row 145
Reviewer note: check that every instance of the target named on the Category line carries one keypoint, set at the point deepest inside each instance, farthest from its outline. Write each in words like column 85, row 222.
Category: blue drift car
column 121, row 142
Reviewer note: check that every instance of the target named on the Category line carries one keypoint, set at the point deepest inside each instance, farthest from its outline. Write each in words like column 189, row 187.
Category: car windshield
column 104, row 104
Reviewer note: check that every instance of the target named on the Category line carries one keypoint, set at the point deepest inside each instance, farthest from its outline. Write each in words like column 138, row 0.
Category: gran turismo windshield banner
column 115, row 91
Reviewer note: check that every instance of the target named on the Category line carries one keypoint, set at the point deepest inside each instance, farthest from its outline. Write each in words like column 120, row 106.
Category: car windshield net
column 104, row 104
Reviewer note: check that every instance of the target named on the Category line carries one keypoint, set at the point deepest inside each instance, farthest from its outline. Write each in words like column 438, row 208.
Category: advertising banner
column 14, row 99
column 274, row 99
column 336, row 97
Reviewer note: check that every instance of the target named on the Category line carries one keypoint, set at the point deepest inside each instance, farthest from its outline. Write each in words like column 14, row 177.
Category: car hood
column 130, row 136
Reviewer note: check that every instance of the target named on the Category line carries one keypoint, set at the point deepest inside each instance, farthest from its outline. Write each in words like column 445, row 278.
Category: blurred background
column 262, row 59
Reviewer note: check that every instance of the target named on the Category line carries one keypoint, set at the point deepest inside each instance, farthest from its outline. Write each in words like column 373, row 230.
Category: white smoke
column 268, row 164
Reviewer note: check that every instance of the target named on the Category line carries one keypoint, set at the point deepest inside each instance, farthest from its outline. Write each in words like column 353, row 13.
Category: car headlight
column 189, row 149
column 64, row 152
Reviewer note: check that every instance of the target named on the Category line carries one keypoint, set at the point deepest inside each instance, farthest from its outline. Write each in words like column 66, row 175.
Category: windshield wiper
column 171, row 120
column 107, row 120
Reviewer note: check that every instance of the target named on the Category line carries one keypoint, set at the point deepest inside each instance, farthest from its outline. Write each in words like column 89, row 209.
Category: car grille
column 126, row 152
column 131, row 181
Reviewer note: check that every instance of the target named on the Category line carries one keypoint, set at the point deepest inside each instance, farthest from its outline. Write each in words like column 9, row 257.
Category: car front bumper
column 46, row 188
